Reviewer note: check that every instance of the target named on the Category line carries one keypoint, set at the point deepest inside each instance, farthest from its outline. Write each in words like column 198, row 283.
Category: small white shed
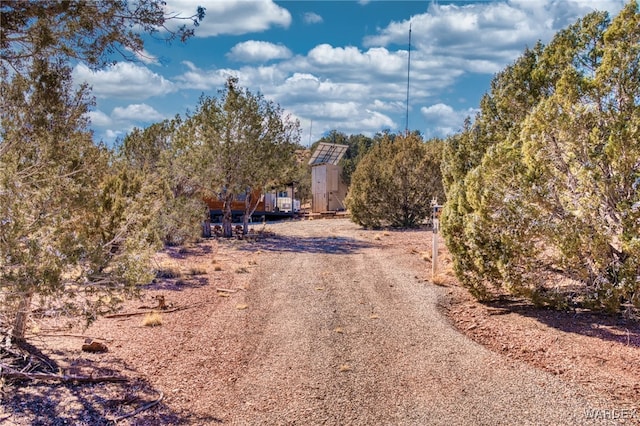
column 327, row 188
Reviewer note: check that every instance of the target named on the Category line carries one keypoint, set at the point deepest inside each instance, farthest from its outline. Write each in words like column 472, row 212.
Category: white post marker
column 435, row 217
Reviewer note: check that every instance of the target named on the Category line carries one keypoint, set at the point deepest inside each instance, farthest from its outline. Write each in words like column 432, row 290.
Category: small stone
column 94, row 347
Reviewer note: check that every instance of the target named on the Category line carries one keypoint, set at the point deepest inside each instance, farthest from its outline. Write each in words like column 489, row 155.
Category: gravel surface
column 325, row 324
column 352, row 336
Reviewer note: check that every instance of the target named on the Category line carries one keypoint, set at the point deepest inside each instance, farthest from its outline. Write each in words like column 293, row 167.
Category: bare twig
column 141, row 409
column 79, row 336
column 10, row 373
column 131, row 314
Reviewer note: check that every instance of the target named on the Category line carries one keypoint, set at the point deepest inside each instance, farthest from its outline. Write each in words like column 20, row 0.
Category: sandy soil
column 321, row 322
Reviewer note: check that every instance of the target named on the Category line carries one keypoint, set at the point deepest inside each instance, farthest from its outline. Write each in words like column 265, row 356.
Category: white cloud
column 122, row 120
column 199, row 79
column 144, row 56
column 377, row 121
column 124, row 80
column 312, row 18
column 231, row 17
column 303, row 90
column 338, row 110
column 100, row 119
column 258, row 51
column 137, row 112
column 443, row 120
column 484, row 37
column 350, row 61
column 330, row 88
column 112, row 135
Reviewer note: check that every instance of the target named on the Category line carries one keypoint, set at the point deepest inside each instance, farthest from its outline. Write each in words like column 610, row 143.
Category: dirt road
column 345, row 331
column 324, row 324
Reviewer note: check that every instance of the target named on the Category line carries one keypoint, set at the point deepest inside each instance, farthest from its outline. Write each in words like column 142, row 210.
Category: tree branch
column 10, row 373
column 141, row 409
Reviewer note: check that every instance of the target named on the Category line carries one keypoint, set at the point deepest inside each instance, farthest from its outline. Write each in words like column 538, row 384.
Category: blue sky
column 333, row 64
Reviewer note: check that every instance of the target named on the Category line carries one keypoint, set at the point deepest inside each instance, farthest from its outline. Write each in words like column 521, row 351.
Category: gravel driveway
column 346, row 333
column 322, row 324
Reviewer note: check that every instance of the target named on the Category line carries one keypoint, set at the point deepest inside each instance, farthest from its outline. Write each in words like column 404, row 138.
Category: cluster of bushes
column 543, row 189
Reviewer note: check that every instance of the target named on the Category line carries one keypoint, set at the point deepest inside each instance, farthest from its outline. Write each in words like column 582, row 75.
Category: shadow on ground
column 320, row 245
column 587, row 323
column 182, row 252
column 178, row 284
column 55, row 403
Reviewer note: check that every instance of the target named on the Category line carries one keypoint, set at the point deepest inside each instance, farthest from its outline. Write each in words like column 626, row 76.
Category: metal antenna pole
column 408, row 74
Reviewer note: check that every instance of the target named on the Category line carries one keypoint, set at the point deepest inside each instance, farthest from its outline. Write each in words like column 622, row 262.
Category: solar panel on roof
column 328, row 153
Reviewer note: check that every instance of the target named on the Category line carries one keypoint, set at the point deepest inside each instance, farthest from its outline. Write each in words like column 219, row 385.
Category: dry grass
column 242, row 270
column 441, row 279
column 152, row 319
column 168, row 272
column 445, row 275
column 193, row 271
column 344, row 368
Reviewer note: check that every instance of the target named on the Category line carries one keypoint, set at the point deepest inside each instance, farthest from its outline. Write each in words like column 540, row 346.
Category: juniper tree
column 86, row 31
column 73, row 228
column 543, row 186
column 395, row 182
column 62, row 232
column 237, row 143
column 151, row 155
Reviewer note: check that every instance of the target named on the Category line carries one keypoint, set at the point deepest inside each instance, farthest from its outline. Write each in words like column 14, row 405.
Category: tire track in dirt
column 355, row 338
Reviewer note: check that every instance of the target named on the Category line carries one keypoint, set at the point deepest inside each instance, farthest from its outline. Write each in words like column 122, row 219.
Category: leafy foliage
column 395, row 182
column 543, row 188
column 237, row 143
column 66, row 225
column 89, row 31
column 76, row 225
column 151, row 155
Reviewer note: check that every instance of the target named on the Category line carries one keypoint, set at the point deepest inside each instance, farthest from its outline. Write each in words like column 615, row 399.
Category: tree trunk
column 247, row 213
column 22, row 315
column 206, row 225
column 227, row 216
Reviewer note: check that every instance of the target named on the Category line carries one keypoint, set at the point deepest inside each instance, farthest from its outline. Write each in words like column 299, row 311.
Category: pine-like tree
column 395, row 183
column 237, row 143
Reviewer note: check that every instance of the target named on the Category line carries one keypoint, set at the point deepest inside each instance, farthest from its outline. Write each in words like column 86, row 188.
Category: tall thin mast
column 408, row 74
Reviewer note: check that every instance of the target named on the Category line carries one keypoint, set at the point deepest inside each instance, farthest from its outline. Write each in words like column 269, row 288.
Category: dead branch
column 131, row 314
column 79, row 336
column 226, row 290
column 141, row 409
column 10, row 373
